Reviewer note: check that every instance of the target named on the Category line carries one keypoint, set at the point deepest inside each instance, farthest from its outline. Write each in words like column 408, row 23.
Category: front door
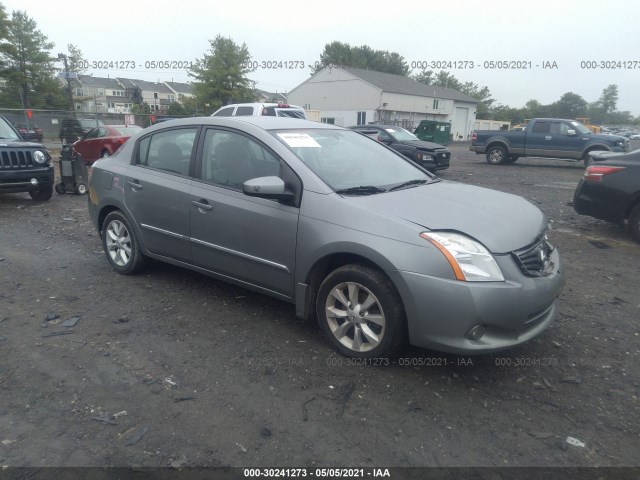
column 249, row 239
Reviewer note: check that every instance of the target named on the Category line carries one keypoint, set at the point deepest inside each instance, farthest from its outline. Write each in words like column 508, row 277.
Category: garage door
column 460, row 124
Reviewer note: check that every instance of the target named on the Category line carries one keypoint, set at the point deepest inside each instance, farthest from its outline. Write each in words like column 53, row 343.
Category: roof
column 144, row 85
column 178, row 87
column 99, row 82
column 391, row 83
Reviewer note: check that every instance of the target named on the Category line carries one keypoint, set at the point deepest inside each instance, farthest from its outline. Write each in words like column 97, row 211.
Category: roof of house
column 179, row 87
column 279, row 97
column 144, row 85
column 391, row 83
column 99, row 82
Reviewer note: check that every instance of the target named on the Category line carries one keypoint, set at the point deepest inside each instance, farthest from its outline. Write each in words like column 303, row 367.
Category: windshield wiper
column 362, row 190
column 420, row 181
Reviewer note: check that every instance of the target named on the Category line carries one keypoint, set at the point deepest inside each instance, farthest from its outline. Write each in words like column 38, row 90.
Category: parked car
column 24, row 167
column 429, row 155
column 72, row 129
column 103, row 141
column 610, row 190
column 338, row 225
column 260, row 109
column 635, row 136
column 31, row 133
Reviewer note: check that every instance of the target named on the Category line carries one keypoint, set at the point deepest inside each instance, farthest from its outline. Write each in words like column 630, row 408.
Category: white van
column 268, row 109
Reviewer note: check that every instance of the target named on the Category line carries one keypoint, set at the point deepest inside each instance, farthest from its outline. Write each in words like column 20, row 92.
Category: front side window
column 168, row 150
column 230, row 159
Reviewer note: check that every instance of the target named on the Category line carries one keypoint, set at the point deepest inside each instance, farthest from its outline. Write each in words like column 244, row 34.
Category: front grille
column 16, row 159
column 535, row 259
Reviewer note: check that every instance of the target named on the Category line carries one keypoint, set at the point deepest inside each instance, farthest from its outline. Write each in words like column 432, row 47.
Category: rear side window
column 243, row 111
column 225, row 112
column 541, row 127
column 169, row 151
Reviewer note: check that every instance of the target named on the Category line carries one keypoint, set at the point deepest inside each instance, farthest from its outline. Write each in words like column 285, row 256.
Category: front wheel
column 121, row 244
column 105, row 153
column 634, row 223
column 360, row 312
column 43, row 194
column 496, row 155
column 81, row 189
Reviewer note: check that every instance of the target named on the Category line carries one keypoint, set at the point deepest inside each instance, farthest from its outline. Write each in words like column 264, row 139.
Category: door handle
column 548, row 137
column 134, row 184
column 202, row 205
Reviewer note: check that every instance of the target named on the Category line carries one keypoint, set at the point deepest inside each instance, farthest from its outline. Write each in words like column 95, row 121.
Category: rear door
column 538, row 138
column 157, row 191
column 249, row 239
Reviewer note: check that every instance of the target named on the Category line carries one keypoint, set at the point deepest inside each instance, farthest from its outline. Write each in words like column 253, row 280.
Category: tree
column 344, row 55
column 221, row 75
column 28, row 63
column 609, row 99
column 570, row 105
column 75, row 59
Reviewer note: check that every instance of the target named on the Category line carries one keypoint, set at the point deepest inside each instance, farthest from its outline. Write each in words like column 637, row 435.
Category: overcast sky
column 567, row 32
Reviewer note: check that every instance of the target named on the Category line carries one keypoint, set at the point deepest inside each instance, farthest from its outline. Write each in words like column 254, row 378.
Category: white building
column 353, row 96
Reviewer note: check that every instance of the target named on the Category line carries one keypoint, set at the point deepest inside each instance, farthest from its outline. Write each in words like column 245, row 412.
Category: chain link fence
column 51, row 120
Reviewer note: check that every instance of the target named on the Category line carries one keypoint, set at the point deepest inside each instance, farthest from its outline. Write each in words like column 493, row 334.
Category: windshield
column 401, row 134
column 580, row 128
column 345, row 159
column 292, row 113
column 6, row 132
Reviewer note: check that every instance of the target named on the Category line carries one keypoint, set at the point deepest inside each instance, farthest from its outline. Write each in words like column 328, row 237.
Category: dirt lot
column 171, row 368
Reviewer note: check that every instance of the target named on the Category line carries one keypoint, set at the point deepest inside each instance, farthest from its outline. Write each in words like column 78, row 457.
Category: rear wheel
column 81, row 189
column 43, row 194
column 121, row 244
column 634, row 223
column 360, row 312
column 497, row 155
column 60, row 188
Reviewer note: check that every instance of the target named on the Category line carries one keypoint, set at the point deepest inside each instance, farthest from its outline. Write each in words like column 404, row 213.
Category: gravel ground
column 172, row 368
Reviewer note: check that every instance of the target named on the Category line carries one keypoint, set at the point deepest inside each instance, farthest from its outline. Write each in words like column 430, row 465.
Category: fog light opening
column 477, row 332
column 34, row 181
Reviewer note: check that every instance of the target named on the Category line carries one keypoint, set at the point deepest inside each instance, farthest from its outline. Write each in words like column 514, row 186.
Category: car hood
column 424, row 144
column 608, row 137
column 500, row 221
column 20, row 144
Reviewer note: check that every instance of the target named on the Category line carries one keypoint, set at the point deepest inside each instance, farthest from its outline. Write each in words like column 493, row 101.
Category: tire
column 346, row 327
column 497, row 155
column 634, row 223
column 43, row 194
column 121, row 245
column 81, row 189
column 105, row 153
column 60, row 188
column 511, row 159
column 586, row 158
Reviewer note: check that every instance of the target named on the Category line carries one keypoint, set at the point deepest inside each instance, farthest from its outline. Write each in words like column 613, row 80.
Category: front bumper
column 16, row 181
column 441, row 312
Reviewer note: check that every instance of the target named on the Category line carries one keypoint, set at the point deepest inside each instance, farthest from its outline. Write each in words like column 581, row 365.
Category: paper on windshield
column 295, row 140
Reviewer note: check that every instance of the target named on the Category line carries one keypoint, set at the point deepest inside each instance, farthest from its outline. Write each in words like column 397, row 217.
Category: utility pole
column 63, row 57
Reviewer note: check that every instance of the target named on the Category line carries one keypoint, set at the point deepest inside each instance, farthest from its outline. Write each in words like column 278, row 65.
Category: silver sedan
column 379, row 250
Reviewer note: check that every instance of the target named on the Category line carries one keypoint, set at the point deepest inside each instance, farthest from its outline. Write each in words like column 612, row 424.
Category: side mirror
column 571, row 133
column 267, row 187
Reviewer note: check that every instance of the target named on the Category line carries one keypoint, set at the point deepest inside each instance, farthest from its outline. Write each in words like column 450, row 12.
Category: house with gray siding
column 354, row 96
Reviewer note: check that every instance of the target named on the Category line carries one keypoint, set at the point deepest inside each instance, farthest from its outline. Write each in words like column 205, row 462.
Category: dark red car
column 31, row 134
column 103, row 141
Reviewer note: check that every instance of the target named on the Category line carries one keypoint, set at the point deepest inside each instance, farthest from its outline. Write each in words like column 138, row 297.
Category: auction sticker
column 296, row 140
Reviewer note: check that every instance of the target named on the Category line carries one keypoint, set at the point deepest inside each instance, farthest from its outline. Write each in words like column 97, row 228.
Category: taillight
column 474, row 137
column 595, row 173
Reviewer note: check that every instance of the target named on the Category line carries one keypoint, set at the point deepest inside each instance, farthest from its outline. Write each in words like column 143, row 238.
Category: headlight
column 470, row 261
column 39, row 157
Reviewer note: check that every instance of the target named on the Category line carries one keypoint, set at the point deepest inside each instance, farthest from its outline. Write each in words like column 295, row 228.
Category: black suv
column 429, row 155
column 24, row 166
